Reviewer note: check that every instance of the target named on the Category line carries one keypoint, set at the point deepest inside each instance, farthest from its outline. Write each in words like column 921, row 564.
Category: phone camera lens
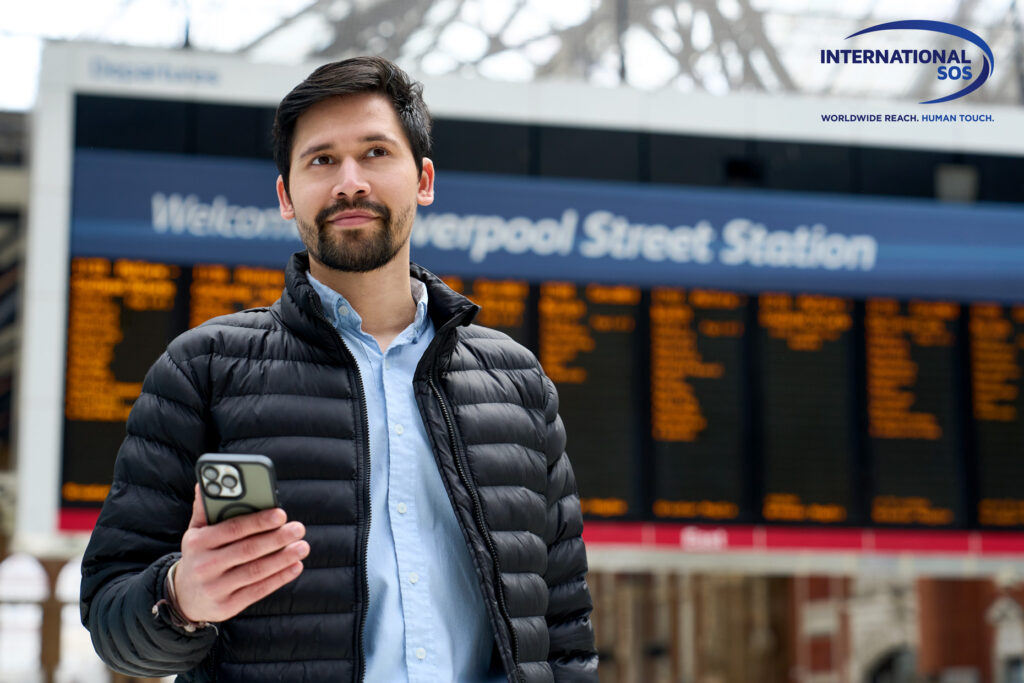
column 210, row 472
column 229, row 481
column 213, row 488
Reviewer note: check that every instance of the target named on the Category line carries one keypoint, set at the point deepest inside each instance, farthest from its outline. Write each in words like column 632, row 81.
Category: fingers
column 252, row 548
column 255, row 592
column 216, row 551
column 265, row 566
column 243, row 526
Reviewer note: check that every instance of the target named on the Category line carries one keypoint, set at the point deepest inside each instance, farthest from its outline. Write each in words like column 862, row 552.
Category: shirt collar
column 339, row 311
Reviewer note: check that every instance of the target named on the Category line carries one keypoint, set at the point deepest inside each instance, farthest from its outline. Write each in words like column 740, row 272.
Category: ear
column 284, row 201
column 425, row 194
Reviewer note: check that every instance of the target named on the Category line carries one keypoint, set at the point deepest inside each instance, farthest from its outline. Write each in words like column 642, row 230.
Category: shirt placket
column 414, row 580
column 373, row 363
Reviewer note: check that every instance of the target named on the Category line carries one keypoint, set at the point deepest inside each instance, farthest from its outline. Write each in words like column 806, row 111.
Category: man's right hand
column 228, row 566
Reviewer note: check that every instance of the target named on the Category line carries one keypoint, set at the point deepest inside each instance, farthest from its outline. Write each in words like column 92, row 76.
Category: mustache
column 352, row 205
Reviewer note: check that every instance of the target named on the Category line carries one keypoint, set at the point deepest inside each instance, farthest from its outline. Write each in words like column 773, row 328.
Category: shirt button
column 387, row 364
column 402, row 508
column 343, row 310
column 421, row 653
column 414, row 578
column 399, row 429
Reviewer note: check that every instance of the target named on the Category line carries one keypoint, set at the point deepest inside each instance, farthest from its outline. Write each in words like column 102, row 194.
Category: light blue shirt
column 426, row 620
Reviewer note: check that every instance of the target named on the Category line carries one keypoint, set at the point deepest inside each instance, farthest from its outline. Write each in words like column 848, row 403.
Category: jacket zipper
column 211, row 661
column 361, row 646
column 479, row 513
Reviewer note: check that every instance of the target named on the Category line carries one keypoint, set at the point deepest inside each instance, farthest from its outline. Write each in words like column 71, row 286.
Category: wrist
column 174, row 612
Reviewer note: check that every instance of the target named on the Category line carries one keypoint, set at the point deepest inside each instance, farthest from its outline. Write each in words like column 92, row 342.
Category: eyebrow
column 323, row 146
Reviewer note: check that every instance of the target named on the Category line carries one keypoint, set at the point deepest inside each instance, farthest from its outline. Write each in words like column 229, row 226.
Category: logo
column 952, row 65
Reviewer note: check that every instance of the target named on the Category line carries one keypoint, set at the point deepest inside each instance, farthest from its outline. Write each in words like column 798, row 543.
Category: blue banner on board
column 201, row 209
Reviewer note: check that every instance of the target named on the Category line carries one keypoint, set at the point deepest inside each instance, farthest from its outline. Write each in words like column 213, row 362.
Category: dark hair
column 350, row 77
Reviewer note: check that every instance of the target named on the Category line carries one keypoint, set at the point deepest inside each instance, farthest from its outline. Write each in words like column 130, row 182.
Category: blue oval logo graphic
column 949, row 29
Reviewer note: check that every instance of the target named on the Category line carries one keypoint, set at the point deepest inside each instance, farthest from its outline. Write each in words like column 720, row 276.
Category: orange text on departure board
column 676, row 412
column 567, row 324
column 84, row 493
column 804, row 321
column 908, row 510
column 707, row 509
column 220, row 290
column 788, row 507
column 502, row 302
column 1001, row 512
column 99, row 290
column 996, row 354
column 890, row 334
column 604, row 507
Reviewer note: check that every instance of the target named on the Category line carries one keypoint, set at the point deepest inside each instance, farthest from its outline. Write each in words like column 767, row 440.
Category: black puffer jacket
column 279, row 382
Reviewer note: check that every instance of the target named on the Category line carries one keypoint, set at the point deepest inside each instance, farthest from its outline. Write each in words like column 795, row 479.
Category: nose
column 350, row 181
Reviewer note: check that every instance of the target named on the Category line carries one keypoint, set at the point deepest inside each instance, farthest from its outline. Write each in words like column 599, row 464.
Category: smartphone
column 235, row 484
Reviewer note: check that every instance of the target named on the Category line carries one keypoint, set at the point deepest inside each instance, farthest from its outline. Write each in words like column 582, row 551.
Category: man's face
column 353, row 187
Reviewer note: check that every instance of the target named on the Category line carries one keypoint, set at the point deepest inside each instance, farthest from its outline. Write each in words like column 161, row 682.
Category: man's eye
column 320, row 160
column 377, row 152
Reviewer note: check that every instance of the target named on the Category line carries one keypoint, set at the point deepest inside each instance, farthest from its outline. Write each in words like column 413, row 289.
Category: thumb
column 198, row 512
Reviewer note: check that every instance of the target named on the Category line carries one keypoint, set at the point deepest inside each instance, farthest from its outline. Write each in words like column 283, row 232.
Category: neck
column 382, row 297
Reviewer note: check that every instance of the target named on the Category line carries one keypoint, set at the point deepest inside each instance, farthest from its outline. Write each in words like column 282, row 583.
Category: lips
column 348, row 218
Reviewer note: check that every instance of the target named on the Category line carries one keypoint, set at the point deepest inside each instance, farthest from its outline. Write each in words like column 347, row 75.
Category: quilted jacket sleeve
column 138, row 534
column 572, row 655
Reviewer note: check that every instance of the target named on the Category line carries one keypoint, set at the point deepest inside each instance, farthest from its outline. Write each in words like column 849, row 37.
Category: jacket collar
column 300, row 308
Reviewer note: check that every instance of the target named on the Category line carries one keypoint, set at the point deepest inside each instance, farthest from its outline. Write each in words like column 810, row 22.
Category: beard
column 353, row 251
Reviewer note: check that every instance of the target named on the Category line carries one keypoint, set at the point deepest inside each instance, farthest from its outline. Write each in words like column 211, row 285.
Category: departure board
column 997, row 364
column 121, row 315
column 913, row 403
column 505, row 305
column 589, row 346
column 717, row 353
column 218, row 290
column 808, row 408
column 698, row 404
column 679, row 403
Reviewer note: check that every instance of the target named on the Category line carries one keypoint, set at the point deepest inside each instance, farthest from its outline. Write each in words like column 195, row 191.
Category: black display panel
column 807, row 407
column 913, row 405
column 699, row 404
column 505, row 305
column 997, row 367
column 589, row 343
column 121, row 315
column 679, row 404
column 219, row 290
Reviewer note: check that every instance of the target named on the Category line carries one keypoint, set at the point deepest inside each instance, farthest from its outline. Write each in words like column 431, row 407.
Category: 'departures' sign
column 194, row 209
